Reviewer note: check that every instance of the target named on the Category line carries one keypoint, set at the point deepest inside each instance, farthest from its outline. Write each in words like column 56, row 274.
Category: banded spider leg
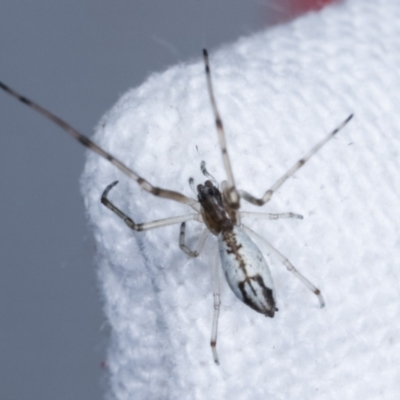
column 245, row 268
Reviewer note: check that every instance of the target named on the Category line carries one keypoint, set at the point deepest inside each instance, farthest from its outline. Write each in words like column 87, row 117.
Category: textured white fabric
column 279, row 92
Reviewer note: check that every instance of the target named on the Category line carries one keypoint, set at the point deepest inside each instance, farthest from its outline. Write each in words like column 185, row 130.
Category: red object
column 301, row 6
column 284, row 10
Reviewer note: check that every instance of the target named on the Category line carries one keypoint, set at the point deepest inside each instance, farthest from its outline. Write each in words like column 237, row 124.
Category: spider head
column 216, row 215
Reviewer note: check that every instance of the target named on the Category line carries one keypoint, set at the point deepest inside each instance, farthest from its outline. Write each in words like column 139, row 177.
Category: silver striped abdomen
column 246, row 270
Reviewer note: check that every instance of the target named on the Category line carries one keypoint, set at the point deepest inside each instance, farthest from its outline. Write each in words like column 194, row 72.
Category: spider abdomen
column 246, row 271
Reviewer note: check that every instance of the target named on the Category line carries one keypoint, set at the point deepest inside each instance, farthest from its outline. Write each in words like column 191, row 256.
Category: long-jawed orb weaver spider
column 244, row 266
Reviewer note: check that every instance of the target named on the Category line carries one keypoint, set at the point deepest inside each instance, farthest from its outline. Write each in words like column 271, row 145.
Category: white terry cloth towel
column 279, row 92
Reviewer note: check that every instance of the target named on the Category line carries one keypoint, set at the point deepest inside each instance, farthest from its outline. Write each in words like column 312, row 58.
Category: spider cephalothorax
column 214, row 210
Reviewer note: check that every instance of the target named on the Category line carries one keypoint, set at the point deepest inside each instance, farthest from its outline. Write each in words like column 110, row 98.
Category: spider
column 217, row 206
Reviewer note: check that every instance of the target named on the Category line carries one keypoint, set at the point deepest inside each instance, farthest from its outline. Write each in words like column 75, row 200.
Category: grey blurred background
column 76, row 58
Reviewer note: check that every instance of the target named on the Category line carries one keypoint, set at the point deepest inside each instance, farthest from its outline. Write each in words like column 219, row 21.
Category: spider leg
column 217, row 303
column 268, row 194
column 269, row 215
column 85, row 141
column 288, row 265
column 231, row 191
column 145, row 226
column 200, row 244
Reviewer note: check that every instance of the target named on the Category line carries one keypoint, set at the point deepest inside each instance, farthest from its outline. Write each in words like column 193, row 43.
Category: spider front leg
column 231, row 193
column 269, row 193
column 148, row 225
column 85, row 141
